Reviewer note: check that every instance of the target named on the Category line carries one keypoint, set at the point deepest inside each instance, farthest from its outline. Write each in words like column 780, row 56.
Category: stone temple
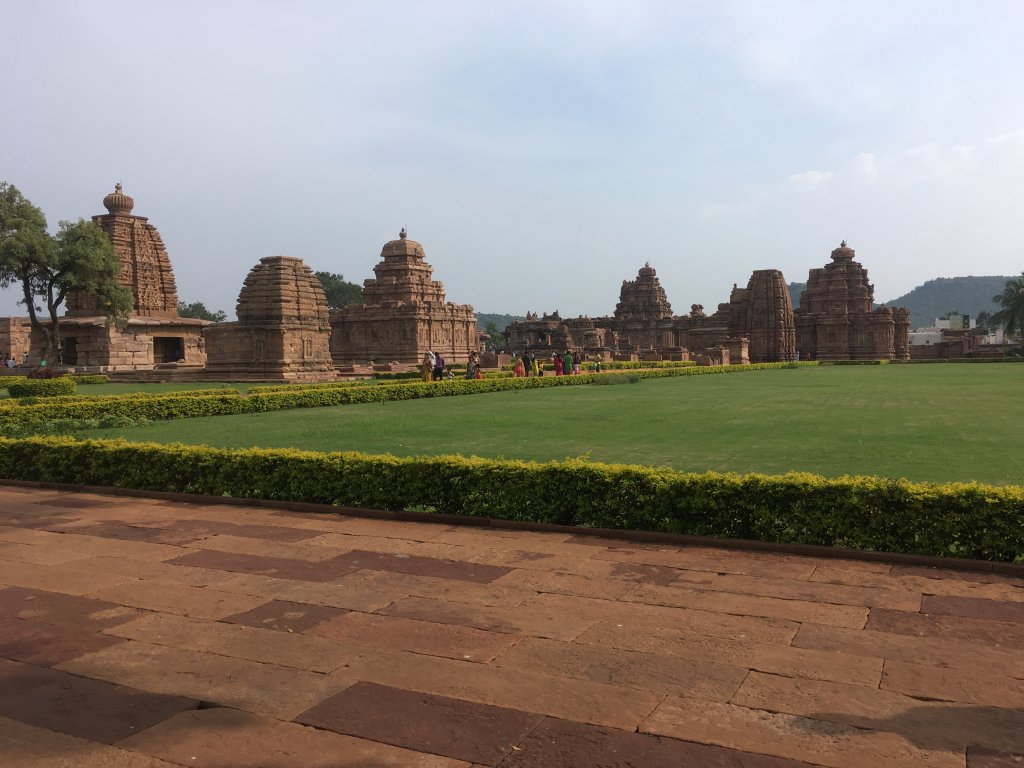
column 755, row 325
column 282, row 332
column 155, row 336
column 404, row 313
column 835, row 319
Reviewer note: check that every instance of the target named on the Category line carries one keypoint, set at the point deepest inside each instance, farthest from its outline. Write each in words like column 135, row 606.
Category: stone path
column 139, row 632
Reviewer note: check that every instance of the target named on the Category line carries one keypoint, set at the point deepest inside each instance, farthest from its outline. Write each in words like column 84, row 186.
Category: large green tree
column 198, row 311
column 1011, row 301
column 47, row 267
column 339, row 291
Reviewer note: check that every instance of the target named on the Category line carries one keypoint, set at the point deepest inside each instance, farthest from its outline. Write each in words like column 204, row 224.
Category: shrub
column 45, row 373
column 42, row 387
column 954, row 520
column 90, row 378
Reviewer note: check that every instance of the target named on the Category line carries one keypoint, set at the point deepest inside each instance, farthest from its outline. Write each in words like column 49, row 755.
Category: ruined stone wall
column 15, row 338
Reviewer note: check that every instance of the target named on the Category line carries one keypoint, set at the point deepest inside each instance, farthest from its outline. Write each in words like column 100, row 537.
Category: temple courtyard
column 144, row 632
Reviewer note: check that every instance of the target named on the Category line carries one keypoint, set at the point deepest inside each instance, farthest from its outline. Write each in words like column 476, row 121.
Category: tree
column 339, row 291
column 80, row 257
column 1011, row 316
column 198, row 311
column 494, row 342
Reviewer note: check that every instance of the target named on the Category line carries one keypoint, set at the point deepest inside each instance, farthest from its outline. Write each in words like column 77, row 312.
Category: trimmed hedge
column 42, row 387
column 89, row 378
column 956, row 519
column 170, row 406
column 78, row 398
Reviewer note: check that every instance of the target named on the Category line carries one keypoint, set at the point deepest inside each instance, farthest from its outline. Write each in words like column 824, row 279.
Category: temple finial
column 402, row 234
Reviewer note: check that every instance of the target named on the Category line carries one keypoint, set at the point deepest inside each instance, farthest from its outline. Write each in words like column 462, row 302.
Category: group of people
column 434, row 367
column 564, row 364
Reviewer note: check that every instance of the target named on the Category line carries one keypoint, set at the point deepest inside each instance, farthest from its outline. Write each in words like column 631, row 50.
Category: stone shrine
column 282, row 332
column 155, row 334
column 403, row 315
column 836, row 319
column 763, row 313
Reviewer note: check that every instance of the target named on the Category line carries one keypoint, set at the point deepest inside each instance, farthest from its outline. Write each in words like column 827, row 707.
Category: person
column 449, row 374
column 427, row 366
column 10, row 361
column 520, row 370
column 557, row 361
column 567, row 363
column 575, row 363
column 597, row 365
column 472, row 367
column 438, row 366
column 534, row 365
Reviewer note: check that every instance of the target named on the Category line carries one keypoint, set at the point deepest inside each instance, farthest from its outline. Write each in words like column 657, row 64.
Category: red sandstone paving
column 416, row 644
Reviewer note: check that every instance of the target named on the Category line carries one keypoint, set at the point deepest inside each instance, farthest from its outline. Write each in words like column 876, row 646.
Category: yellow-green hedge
column 956, row 519
column 44, row 388
column 172, row 406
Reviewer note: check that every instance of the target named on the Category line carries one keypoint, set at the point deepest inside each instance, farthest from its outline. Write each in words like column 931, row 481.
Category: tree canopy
column 339, row 292
column 1011, row 301
column 80, row 257
column 198, row 311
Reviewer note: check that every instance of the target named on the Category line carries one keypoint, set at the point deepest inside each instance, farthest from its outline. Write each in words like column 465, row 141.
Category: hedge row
column 960, row 520
column 159, row 408
column 618, row 365
column 79, row 398
column 46, row 388
column 78, row 378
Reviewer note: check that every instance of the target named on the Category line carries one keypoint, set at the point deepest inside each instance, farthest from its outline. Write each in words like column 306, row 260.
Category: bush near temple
column 954, row 520
column 41, row 387
column 93, row 399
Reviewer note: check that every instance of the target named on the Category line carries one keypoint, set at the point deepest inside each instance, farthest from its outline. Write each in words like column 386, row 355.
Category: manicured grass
column 923, row 422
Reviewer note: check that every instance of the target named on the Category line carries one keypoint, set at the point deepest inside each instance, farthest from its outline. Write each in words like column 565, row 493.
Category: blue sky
column 540, row 151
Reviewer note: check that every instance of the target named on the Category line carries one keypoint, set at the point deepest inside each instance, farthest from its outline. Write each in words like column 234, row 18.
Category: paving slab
column 148, row 633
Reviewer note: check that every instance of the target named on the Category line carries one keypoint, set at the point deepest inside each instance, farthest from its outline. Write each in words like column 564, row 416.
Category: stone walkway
column 139, row 632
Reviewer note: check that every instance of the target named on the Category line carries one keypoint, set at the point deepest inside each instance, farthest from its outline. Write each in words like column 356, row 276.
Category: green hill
column 935, row 298
column 482, row 319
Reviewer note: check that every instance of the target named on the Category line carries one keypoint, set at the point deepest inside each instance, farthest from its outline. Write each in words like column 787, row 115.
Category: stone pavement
column 141, row 632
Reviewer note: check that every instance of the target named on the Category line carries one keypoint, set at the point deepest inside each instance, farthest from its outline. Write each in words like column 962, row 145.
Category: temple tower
column 763, row 313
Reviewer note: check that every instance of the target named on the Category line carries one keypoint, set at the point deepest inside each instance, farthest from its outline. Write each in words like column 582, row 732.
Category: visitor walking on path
column 567, row 363
column 427, row 366
column 520, row 370
column 438, row 367
column 534, row 365
column 557, row 362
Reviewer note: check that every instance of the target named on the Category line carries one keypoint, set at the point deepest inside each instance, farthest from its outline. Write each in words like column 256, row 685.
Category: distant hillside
column 482, row 319
column 795, row 289
column 968, row 295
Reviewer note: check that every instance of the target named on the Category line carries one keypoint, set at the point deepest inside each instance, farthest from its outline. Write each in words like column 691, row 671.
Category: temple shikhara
column 155, row 334
column 284, row 331
column 404, row 313
column 836, row 319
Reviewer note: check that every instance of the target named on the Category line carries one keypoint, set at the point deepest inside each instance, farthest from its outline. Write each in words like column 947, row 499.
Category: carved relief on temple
column 145, row 266
column 836, row 319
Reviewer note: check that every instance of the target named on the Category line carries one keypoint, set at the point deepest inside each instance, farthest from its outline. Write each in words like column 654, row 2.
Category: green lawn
column 924, row 422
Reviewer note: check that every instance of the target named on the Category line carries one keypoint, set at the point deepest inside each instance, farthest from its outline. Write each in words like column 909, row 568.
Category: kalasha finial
column 117, row 187
column 843, row 244
column 402, row 234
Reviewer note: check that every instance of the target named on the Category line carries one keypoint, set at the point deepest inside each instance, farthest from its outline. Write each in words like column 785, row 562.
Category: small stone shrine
column 835, row 319
column 155, row 334
column 403, row 315
column 282, row 332
column 763, row 313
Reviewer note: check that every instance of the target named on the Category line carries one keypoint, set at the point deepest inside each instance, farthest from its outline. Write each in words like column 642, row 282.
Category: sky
column 541, row 152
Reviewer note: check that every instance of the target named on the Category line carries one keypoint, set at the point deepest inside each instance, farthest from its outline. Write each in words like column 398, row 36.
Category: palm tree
column 1011, row 316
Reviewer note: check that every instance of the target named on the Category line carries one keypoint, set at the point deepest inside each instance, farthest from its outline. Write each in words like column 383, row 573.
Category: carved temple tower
column 763, row 313
column 404, row 313
column 282, row 332
column 836, row 319
column 155, row 335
